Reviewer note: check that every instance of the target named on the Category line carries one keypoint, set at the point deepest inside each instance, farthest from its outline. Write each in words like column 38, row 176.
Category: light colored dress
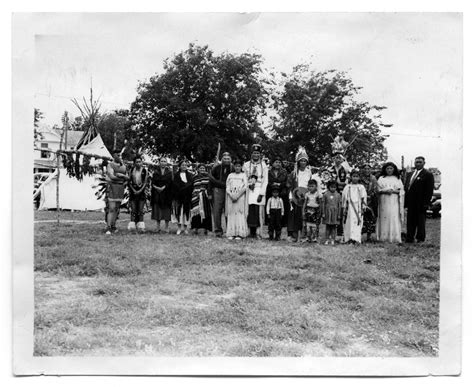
column 236, row 212
column 353, row 196
column 260, row 170
column 391, row 212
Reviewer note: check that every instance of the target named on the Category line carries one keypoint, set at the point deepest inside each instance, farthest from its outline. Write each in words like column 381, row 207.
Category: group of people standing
column 350, row 202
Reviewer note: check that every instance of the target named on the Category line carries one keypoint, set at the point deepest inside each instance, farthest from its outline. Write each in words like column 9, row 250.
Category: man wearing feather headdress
column 340, row 169
column 257, row 175
column 297, row 186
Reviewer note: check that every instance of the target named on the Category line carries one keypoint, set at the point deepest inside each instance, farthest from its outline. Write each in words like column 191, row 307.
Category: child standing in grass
column 312, row 212
column 236, row 203
column 354, row 201
column 331, row 211
column 275, row 211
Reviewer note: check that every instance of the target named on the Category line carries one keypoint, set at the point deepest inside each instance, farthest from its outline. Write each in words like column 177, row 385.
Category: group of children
column 317, row 208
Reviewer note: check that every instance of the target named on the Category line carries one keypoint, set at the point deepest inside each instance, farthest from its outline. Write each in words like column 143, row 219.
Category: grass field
column 169, row 295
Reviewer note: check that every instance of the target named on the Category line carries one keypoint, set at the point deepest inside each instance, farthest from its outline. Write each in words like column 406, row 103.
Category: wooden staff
column 58, row 210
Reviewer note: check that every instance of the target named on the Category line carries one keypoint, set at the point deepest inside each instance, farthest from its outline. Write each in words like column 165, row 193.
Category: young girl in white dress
column 354, row 201
column 391, row 200
column 236, row 203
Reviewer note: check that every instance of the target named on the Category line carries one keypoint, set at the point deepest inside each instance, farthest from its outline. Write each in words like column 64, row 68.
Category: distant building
column 50, row 138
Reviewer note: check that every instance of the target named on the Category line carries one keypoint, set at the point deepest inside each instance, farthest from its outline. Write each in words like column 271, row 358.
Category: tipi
column 75, row 194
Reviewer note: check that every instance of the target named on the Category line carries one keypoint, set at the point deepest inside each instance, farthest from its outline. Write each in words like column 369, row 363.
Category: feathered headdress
column 339, row 146
column 301, row 154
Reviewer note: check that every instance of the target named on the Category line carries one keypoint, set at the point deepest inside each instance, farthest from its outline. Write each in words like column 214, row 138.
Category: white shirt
column 183, row 177
column 261, row 171
column 303, row 177
column 414, row 176
column 275, row 203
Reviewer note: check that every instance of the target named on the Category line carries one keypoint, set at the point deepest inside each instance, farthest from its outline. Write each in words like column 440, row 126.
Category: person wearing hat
column 340, row 170
column 297, row 185
column 217, row 180
column 275, row 212
column 277, row 175
column 256, row 200
column 116, row 177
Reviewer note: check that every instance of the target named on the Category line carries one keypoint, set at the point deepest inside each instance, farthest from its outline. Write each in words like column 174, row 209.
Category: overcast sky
column 410, row 63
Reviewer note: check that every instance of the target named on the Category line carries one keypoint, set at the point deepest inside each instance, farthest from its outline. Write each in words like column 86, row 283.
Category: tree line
column 201, row 99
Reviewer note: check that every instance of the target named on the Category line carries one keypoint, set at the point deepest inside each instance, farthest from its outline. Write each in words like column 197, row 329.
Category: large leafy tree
column 314, row 107
column 114, row 128
column 201, row 99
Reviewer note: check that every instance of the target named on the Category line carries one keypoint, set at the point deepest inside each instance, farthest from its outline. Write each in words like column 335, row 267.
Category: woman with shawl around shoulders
column 201, row 213
column 183, row 190
column 391, row 205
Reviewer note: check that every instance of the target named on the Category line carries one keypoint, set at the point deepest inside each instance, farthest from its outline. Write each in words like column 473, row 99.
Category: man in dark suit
column 418, row 192
column 217, row 179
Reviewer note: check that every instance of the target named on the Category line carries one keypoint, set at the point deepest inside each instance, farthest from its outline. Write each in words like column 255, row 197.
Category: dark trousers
column 136, row 209
column 218, row 206
column 416, row 221
column 274, row 223
column 295, row 221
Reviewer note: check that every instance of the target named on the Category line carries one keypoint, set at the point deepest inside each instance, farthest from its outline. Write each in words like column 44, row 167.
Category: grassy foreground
column 168, row 295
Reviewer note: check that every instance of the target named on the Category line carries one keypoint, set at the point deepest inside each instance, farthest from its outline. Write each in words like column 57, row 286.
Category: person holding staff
column 217, row 179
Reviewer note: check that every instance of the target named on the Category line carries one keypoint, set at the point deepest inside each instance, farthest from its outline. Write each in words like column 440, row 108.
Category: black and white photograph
column 231, row 188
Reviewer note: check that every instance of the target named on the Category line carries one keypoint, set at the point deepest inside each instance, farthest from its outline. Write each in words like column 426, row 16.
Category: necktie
column 413, row 178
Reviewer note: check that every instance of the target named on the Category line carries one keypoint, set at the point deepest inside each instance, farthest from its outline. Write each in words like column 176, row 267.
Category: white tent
column 96, row 147
column 74, row 194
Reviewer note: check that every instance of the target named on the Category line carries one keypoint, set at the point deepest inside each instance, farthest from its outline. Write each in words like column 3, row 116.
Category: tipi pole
column 58, row 210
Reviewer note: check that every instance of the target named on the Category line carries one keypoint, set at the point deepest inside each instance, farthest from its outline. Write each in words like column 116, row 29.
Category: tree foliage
column 77, row 124
column 38, row 116
column 201, row 99
column 114, row 128
column 314, row 107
